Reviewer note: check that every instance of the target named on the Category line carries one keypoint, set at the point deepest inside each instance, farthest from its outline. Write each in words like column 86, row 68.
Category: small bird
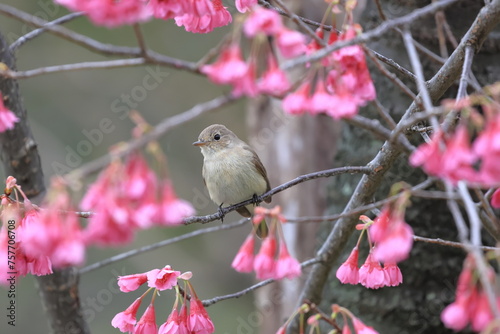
column 232, row 171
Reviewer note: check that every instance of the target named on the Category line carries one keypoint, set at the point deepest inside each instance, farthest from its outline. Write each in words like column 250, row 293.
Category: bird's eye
column 217, row 136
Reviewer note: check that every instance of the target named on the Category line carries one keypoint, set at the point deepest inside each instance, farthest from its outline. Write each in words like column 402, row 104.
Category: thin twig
column 148, row 248
column 209, row 302
column 419, row 72
column 106, row 64
column 391, row 76
column 159, row 130
column 37, row 32
column 141, row 40
column 470, row 207
column 448, row 243
column 466, row 72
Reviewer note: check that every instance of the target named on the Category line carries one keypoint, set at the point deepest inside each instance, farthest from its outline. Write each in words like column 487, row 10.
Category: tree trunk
column 59, row 291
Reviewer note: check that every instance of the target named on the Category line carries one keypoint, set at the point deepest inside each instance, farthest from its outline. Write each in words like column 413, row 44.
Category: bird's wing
column 261, row 169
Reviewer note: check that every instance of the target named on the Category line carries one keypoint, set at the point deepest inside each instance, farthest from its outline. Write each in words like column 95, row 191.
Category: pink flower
column 487, row 147
column 274, row 80
column 495, row 199
column 262, row 21
column 7, row 117
column 126, row 320
column 166, row 9
column 321, row 100
column 207, row 22
column 264, row 264
column 244, row 5
column 162, row 279
column 139, row 178
column 298, row 102
column 393, row 237
column 393, row 274
column 348, row 272
column 371, row 274
column 199, row 320
column 245, row 85
column 243, row 261
column 361, row 328
column 173, row 210
column 458, row 157
column 111, row 13
column 455, row 316
column 481, row 315
column 342, row 106
column 175, row 324
column 39, row 266
column 346, row 330
column 396, row 244
column 147, row 323
column 286, row 266
column 291, row 43
column 429, row 155
column 228, row 68
column 56, row 231
column 131, row 282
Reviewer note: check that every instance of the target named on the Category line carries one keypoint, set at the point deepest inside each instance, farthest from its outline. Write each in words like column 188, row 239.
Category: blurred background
column 62, row 106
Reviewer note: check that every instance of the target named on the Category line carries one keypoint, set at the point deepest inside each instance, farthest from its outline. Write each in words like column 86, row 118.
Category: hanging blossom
column 7, row 118
column 55, row 232
column 197, row 16
column 194, row 319
column 128, row 197
column 471, row 305
column 111, row 13
column 346, row 86
column 247, row 77
column 455, row 157
column 266, row 263
column 393, row 240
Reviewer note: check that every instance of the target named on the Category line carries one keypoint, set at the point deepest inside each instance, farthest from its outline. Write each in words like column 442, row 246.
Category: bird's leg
column 255, row 199
column 221, row 213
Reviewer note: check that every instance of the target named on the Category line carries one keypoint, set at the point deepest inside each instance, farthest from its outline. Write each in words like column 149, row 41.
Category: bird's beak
column 199, row 143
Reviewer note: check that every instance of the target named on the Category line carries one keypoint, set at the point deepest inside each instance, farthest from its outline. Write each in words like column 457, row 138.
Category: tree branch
column 486, row 20
column 306, row 177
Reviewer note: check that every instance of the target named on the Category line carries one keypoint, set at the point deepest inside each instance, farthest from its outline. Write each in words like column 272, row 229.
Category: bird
column 232, row 171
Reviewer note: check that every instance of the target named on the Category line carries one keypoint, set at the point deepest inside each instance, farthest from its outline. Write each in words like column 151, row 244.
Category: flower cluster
column 337, row 311
column 126, row 197
column 266, row 264
column 346, row 86
column 452, row 156
column 230, row 68
column 199, row 16
column 393, row 240
column 7, row 117
column 192, row 320
column 40, row 239
column 471, row 303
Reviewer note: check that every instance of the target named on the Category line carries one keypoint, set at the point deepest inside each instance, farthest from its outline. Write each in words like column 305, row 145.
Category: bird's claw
column 221, row 213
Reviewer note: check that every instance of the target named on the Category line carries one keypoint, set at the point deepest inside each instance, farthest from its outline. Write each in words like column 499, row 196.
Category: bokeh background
column 61, row 106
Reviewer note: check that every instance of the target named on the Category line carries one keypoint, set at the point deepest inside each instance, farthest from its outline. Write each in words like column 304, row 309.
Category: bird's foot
column 221, row 213
column 255, row 199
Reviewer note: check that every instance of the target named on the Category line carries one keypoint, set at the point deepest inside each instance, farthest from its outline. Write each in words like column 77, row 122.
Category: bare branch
column 106, row 64
column 148, row 248
column 159, row 130
column 208, row 302
column 37, row 32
